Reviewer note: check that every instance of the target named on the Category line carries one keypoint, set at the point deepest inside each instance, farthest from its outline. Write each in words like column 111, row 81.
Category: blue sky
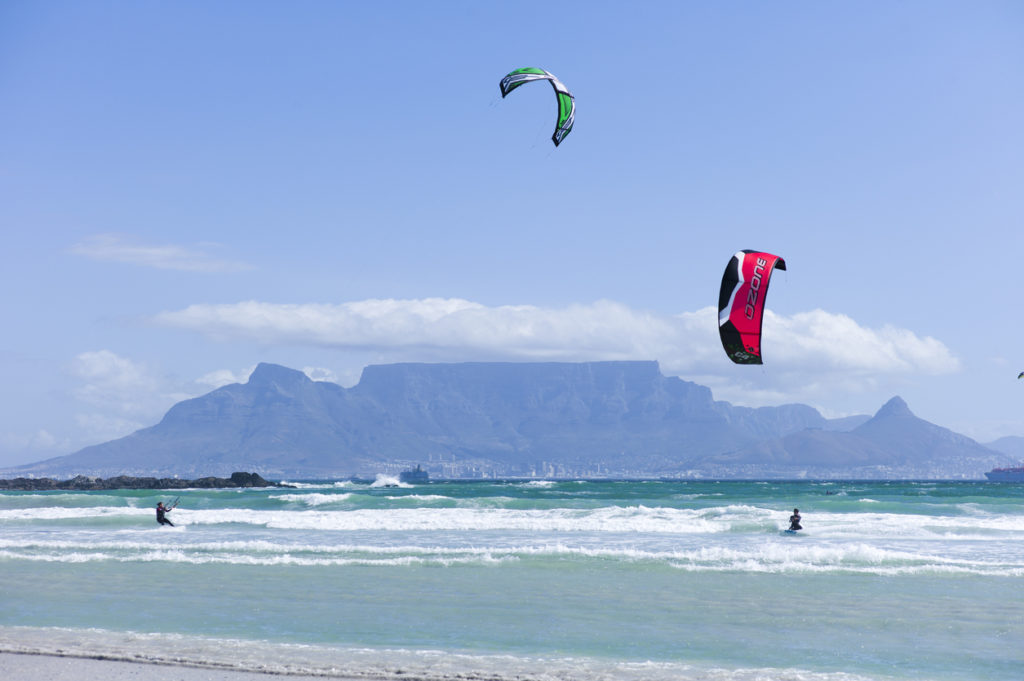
column 189, row 188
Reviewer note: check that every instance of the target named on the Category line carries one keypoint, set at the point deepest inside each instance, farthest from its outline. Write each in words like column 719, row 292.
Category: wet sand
column 35, row 667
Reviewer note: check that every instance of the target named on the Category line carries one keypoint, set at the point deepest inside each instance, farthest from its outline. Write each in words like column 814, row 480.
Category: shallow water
column 581, row 579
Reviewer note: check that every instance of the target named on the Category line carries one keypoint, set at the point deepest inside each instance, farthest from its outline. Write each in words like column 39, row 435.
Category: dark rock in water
column 249, row 480
column 85, row 483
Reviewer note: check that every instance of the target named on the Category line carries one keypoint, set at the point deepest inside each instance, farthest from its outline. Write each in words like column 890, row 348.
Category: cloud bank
column 117, row 248
column 805, row 354
column 117, row 395
column 811, row 357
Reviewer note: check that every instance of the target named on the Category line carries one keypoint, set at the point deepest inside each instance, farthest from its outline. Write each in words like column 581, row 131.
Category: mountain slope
column 613, row 418
column 1012, row 446
column 893, row 443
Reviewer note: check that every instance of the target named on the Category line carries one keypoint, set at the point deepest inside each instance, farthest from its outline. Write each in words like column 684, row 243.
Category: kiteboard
column 790, row 531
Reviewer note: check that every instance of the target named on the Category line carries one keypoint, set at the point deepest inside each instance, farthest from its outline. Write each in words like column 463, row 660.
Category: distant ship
column 1014, row 474
column 415, row 475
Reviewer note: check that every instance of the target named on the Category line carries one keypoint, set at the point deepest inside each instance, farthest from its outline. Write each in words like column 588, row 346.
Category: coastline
column 41, row 653
column 55, row 667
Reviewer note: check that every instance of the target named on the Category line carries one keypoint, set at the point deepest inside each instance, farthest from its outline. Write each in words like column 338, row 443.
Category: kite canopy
column 1020, row 375
column 566, row 103
column 741, row 303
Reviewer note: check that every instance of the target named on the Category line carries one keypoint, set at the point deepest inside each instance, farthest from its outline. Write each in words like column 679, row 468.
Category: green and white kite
column 566, row 103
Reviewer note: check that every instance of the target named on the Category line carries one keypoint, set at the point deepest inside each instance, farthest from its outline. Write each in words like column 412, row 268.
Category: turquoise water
column 566, row 579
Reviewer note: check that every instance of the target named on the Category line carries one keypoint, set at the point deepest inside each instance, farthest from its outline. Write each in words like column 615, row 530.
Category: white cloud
column 111, row 381
column 320, row 374
column 117, row 248
column 100, row 427
column 119, row 395
column 807, row 354
column 39, row 441
column 222, row 377
column 837, row 340
column 449, row 326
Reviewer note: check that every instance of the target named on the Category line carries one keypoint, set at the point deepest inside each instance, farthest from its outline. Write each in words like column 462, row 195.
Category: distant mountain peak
column 275, row 373
column 516, row 419
column 895, row 408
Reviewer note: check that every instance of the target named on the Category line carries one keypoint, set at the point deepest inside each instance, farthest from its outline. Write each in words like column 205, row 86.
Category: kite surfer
column 162, row 510
column 794, row 521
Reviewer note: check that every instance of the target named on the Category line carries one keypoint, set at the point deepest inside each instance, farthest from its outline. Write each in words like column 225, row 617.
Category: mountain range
column 484, row 419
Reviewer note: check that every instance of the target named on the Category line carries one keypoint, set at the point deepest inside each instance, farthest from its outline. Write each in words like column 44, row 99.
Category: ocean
column 652, row 580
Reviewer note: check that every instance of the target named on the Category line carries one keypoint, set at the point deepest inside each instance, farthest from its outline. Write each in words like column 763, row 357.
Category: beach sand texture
column 34, row 667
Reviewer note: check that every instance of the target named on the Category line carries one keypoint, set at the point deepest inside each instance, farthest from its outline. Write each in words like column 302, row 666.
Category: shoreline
column 44, row 666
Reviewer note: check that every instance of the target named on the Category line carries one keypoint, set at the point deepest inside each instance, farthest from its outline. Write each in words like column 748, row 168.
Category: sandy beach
column 36, row 667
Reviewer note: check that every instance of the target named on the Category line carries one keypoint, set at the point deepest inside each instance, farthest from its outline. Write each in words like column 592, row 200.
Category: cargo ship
column 1013, row 474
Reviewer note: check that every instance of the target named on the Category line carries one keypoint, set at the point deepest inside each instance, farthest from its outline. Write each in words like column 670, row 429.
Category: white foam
column 606, row 519
column 480, row 515
column 766, row 556
column 382, row 664
column 326, row 484
column 63, row 512
column 383, row 480
column 310, row 499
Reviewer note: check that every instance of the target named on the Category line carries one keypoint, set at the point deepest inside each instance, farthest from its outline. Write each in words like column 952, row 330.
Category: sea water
column 529, row 579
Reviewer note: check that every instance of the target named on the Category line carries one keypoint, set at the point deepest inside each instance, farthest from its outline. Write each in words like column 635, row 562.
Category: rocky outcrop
column 87, row 483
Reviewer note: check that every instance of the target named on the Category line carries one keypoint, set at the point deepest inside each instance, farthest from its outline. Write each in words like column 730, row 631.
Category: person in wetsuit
column 161, row 516
column 794, row 520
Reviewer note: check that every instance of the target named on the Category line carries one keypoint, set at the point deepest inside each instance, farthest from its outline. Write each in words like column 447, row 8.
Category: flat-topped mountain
column 509, row 419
